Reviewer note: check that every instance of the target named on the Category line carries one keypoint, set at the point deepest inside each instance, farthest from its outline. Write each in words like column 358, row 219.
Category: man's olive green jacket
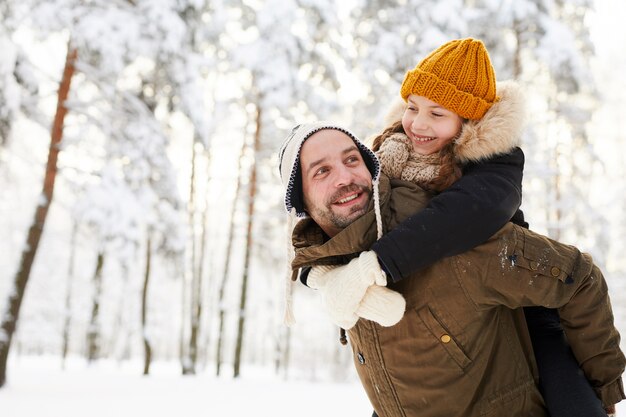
column 462, row 348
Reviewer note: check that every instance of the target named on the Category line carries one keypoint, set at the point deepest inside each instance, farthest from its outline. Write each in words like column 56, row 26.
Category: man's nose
column 343, row 176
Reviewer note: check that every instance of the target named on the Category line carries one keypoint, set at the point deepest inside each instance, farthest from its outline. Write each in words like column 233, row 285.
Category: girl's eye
column 411, row 108
column 437, row 115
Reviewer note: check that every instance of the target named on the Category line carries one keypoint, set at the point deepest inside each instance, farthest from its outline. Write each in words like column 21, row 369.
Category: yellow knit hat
column 458, row 75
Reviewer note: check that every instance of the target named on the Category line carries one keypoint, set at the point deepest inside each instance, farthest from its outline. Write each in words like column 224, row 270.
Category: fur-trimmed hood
column 497, row 132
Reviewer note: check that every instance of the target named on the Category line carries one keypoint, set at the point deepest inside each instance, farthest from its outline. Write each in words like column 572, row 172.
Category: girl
column 457, row 137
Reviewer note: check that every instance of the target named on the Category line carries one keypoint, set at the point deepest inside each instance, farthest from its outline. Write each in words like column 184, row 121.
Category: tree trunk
column 283, row 352
column 121, row 337
column 554, row 208
column 9, row 321
column 189, row 363
column 68, row 297
column 93, row 332
column 144, row 308
column 201, row 262
column 248, row 248
column 517, row 57
column 553, row 184
column 196, row 297
column 180, row 271
column 226, row 270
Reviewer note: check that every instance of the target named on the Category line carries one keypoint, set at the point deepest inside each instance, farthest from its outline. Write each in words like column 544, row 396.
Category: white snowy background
column 159, row 80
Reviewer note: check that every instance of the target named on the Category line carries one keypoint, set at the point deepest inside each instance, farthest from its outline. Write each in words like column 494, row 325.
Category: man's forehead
column 327, row 141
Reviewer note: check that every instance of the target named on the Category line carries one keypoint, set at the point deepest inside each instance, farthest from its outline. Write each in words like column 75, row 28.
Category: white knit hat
column 290, row 174
column 289, row 166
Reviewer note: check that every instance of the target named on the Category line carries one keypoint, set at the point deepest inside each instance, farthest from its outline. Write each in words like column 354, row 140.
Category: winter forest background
column 165, row 240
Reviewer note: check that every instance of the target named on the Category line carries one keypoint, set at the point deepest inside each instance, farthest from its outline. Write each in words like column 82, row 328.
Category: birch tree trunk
column 121, row 338
column 283, row 352
column 554, row 208
column 93, row 332
column 517, row 57
column 180, row 269
column 189, row 364
column 68, row 297
column 231, row 236
column 186, row 290
column 9, row 320
column 144, row 309
column 248, row 248
column 554, row 182
column 196, row 297
column 201, row 262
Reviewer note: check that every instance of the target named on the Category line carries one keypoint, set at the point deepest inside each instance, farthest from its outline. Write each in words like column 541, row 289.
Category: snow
column 38, row 387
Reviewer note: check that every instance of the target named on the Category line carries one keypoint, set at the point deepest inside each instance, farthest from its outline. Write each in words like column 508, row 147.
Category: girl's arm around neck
column 484, row 199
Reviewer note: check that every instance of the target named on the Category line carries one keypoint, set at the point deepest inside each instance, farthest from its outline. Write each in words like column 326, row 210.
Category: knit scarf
column 398, row 160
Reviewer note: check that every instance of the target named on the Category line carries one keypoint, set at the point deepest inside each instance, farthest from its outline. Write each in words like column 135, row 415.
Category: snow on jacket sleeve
column 518, row 267
column 484, row 199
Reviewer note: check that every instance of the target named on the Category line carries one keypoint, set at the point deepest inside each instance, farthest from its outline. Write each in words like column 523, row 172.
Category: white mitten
column 343, row 287
column 382, row 305
column 317, row 279
column 319, row 276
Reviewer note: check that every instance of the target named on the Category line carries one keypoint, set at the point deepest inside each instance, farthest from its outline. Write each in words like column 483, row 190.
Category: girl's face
column 429, row 125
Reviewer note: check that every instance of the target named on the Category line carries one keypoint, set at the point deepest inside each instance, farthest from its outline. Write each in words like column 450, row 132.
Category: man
column 461, row 348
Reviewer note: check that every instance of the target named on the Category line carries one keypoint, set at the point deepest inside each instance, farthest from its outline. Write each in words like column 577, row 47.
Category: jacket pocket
column 446, row 340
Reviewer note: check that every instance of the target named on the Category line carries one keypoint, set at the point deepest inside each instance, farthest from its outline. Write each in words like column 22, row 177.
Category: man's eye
column 321, row 171
column 352, row 159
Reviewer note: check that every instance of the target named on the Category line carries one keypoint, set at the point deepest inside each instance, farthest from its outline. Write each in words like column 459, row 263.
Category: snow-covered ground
column 37, row 387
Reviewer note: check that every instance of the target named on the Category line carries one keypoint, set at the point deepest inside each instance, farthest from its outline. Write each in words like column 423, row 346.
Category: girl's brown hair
column 450, row 170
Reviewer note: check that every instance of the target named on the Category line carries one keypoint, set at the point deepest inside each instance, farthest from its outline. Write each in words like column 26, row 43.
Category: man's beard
column 343, row 220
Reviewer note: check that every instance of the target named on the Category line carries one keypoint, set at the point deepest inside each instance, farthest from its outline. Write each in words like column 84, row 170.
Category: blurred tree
column 288, row 69
column 18, row 86
column 547, row 47
column 391, row 38
column 16, row 296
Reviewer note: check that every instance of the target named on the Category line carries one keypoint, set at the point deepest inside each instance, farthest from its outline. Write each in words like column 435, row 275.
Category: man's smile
column 348, row 198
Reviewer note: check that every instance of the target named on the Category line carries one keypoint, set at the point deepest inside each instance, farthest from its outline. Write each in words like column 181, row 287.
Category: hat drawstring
column 379, row 219
column 289, row 318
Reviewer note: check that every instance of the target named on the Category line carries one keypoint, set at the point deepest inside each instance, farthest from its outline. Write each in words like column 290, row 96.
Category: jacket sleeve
column 466, row 214
column 518, row 268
